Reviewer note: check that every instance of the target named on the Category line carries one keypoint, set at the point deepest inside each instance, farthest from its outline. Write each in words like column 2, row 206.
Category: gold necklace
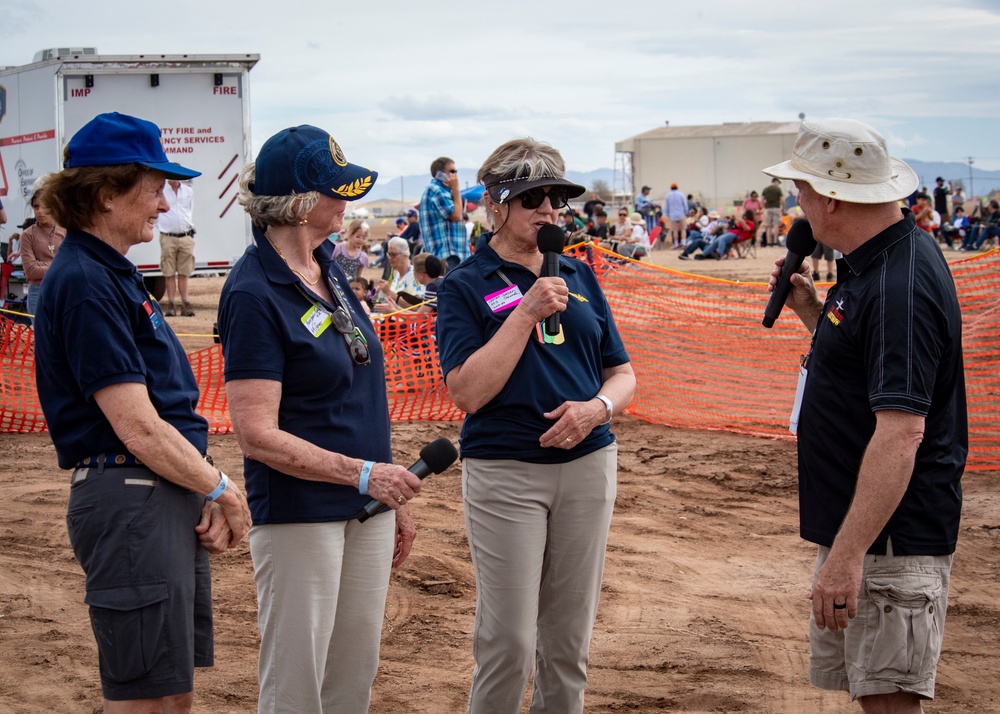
column 311, row 256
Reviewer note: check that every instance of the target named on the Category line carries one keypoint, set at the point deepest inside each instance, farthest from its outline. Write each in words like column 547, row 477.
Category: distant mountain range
column 410, row 188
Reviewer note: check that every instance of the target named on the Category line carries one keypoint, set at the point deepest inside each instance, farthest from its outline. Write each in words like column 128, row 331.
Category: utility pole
column 971, row 191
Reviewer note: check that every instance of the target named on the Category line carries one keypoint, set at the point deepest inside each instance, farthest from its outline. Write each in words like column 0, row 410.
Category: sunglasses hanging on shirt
column 357, row 345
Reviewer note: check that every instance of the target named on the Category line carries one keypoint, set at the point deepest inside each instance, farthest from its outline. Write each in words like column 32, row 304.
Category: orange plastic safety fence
column 704, row 361
column 701, row 356
column 19, row 409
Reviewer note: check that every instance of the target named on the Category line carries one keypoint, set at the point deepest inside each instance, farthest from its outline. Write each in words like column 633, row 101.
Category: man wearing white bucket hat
column 881, row 421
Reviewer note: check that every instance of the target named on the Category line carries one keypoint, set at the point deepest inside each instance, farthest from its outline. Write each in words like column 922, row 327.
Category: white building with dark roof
column 719, row 163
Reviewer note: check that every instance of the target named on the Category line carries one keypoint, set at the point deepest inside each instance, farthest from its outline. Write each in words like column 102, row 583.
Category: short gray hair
column 399, row 244
column 267, row 211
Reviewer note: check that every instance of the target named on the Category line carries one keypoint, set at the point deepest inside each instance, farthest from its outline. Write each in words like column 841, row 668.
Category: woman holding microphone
column 539, row 462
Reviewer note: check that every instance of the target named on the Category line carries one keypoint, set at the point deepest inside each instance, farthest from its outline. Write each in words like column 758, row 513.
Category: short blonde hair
column 267, row 211
column 521, row 158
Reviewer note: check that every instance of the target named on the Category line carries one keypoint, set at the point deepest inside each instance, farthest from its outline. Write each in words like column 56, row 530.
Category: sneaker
column 829, row 276
column 815, row 275
column 170, row 310
column 186, row 311
column 684, row 257
column 699, row 256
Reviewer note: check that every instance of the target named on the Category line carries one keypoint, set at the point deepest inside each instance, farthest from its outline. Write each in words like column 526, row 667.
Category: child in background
column 362, row 288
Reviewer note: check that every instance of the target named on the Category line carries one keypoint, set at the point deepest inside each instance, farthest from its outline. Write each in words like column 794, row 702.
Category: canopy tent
column 473, row 194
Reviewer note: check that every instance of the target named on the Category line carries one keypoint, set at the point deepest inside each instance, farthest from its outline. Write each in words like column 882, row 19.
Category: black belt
column 177, row 235
column 111, row 461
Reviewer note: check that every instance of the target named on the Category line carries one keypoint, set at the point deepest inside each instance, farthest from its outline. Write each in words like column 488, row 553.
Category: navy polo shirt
column 326, row 399
column 510, row 425
column 97, row 326
column 889, row 337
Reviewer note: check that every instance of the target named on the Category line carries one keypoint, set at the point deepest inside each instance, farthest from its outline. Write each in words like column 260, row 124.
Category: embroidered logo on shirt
column 836, row 313
column 581, row 298
column 154, row 316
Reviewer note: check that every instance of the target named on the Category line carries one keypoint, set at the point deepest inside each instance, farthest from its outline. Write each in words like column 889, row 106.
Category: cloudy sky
column 399, row 82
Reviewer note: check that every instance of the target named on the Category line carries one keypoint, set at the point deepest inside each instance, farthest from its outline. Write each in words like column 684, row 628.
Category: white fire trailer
column 200, row 102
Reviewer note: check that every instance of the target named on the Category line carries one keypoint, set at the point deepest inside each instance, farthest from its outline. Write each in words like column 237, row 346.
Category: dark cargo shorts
column 148, row 579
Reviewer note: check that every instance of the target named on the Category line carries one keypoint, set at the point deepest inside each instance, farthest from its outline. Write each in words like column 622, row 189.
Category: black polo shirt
column 474, row 301
column 326, row 399
column 890, row 337
column 97, row 326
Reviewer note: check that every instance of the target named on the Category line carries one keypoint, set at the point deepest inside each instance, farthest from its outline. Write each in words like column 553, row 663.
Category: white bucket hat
column 846, row 160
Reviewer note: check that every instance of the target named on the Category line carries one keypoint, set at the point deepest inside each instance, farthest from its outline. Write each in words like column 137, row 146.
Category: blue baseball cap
column 115, row 139
column 302, row 159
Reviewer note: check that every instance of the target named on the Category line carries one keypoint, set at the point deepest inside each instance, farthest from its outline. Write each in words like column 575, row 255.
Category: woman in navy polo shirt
column 119, row 398
column 306, row 387
column 539, row 462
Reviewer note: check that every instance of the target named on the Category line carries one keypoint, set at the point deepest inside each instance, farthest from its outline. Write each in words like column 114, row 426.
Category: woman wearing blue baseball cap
column 146, row 506
column 307, row 396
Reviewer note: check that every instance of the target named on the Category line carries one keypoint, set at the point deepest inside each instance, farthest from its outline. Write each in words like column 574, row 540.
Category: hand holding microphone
column 800, row 244
column 550, row 243
column 434, row 458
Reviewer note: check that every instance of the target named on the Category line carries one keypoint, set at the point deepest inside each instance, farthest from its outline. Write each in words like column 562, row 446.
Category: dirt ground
column 704, row 605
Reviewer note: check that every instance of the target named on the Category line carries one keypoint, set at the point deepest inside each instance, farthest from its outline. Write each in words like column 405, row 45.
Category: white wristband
column 220, row 489
column 609, row 405
column 366, row 470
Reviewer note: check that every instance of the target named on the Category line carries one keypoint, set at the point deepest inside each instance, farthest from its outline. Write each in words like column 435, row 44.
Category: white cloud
column 404, row 82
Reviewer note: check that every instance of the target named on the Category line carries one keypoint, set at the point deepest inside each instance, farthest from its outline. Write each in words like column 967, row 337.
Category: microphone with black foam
column 551, row 240
column 800, row 244
column 434, row 458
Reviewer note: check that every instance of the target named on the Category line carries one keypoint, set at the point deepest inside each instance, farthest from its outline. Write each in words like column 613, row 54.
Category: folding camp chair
column 744, row 248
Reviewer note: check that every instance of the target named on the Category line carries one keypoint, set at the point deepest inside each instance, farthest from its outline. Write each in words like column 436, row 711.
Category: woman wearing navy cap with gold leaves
column 306, row 386
column 117, row 390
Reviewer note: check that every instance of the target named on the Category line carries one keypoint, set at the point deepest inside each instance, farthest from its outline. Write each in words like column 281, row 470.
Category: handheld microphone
column 800, row 244
column 551, row 240
column 434, row 458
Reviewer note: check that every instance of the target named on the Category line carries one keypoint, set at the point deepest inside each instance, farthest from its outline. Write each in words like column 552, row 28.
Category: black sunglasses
column 357, row 345
column 532, row 198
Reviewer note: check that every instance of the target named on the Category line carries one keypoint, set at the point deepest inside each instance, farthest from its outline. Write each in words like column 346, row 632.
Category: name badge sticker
column 503, row 299
column 800, row 388
column 316, row 320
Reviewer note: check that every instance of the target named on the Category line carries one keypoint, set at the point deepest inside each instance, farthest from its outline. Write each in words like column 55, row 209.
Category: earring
column 107, row 207
column 304, row 222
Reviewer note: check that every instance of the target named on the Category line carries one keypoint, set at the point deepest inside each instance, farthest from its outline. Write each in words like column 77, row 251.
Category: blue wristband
column 220, row 489
column 366, row 470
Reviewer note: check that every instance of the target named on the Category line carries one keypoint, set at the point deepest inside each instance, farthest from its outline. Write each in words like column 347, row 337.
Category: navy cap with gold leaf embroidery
column 303, row 158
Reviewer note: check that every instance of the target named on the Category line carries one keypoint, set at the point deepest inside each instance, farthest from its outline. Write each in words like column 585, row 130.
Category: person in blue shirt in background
column 442, row 228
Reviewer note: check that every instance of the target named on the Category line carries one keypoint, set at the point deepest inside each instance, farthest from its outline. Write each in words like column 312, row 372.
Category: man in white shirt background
column 176, row 229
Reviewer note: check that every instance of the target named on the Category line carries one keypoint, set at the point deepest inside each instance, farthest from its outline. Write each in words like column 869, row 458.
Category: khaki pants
column 321, row 590
column 537, row 533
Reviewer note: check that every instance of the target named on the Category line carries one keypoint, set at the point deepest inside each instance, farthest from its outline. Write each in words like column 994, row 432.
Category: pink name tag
column 503, row 299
